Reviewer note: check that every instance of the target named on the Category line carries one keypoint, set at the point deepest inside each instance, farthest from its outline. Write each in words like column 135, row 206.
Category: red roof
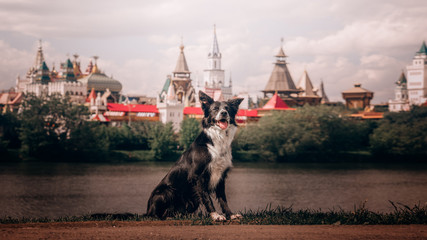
column 193, row 110
column 275, row 102
column 92, row 95
column 116, row 107
column 247, row 113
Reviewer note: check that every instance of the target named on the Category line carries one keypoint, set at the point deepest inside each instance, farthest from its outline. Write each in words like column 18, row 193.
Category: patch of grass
column 402, row 214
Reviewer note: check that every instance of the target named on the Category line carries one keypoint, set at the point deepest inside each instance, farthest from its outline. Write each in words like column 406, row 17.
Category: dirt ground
column 183, row 230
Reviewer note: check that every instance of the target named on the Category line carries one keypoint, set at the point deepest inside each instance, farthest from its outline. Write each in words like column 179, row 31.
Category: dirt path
column 182, row 230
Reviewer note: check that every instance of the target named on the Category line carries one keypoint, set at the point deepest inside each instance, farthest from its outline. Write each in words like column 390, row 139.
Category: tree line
column 55, row 129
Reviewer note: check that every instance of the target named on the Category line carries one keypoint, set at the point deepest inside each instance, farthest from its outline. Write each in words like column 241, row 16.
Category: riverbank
column 182, row 230
column 402, row 214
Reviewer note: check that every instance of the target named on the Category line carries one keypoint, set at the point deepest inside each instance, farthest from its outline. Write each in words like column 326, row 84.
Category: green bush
column 401, row 134
column 162, row 141
column 310, row 132
column 134, row 137
column 190, row 129
column 9, row 130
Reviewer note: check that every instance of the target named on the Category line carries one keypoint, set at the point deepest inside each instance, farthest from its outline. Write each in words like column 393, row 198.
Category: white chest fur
column 220, row 152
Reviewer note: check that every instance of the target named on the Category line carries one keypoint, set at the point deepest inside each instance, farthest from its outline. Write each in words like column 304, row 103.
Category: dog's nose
column 224, row 113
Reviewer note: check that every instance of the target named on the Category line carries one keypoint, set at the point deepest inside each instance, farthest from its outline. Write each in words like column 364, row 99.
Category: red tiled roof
column 193, row 110
column 276, row 103
column 116, row 107
column 247, row 113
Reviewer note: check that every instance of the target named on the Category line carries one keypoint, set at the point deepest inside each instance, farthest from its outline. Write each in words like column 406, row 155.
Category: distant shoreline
column 123, row 156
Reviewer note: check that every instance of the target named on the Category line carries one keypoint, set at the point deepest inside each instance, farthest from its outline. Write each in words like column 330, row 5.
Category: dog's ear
column 234, row 103
column 205, row 100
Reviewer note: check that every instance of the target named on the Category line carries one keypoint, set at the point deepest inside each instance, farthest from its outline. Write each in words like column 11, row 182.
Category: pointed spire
column 402, row 79
column 281, row 55
column 76, row 66
column 39, row 58
column 306, row 85
column 171, row 93
column 89, row 67
column 95, row 67
column 181, row 64
column 215, row 49
column 325, row 98
column 423, row 49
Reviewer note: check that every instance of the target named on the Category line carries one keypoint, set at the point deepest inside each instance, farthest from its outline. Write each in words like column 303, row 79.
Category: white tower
column 400, row 102
column 214, row 76
column 417, row 77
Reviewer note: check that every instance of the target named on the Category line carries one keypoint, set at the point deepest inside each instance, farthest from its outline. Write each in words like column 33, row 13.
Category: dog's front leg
column 222, row 199
column 207, row 201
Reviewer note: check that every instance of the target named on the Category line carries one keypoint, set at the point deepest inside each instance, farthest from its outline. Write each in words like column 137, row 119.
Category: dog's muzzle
column 223, row 121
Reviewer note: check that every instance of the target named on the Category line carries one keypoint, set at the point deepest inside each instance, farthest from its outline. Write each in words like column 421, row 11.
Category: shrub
column 401, row 134
column 162, row 141
column 190, row 129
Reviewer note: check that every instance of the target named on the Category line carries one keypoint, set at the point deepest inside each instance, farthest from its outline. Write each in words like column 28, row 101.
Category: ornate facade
column 70, row 81
column 417, row 77
column 177, row 93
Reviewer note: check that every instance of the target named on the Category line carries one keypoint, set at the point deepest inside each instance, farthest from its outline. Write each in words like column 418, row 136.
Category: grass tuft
column 280, row 215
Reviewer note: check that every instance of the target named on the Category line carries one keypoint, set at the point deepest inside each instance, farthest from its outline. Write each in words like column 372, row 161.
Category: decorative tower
column 309, row 93
column 43, row 74
column 76, row 67
column 176, row 94
column 39, row 57
column 68, row 71
column 417, row 77
column 280, row 80
column 400, row 102
column 181, row 81
column 323, row 95
column 214, row 76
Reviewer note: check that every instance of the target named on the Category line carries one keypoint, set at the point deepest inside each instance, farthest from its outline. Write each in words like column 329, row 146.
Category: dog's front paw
column 217, row 217
column 235, row 216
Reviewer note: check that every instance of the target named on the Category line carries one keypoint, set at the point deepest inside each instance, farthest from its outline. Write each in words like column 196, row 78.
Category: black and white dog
column 202, row 169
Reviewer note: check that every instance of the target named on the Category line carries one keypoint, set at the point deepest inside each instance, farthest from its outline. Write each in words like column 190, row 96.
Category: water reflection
column 65, row 189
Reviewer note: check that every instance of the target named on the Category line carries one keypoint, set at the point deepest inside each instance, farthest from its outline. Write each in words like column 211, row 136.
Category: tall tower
column 280, row 80
column 181, row 81
column 417, row 77
column 39, row 57
column 400, row 102
column 214, row 76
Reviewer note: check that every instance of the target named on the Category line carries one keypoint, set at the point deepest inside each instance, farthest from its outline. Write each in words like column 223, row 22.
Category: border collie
column 202, row 168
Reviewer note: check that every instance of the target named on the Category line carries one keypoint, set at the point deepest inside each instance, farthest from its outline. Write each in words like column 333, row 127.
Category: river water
column 72, row 189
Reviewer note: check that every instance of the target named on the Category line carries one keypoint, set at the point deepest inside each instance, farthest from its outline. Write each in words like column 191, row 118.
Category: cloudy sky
column 342, row 42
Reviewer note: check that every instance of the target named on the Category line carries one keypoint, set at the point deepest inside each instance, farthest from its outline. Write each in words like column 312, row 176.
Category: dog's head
column 219, row 114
